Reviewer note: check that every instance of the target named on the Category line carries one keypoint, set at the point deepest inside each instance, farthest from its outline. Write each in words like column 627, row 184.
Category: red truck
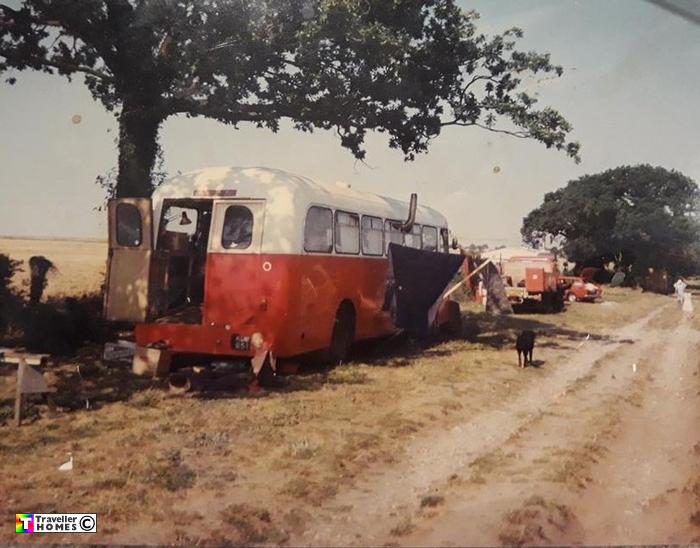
column 533, row 281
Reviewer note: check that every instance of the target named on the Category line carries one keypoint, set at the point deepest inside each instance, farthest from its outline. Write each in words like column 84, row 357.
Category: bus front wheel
column 343, row 333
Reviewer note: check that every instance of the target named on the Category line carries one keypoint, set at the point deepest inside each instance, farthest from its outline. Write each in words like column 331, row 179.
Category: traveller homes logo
column 56, row 523
column 24, row 523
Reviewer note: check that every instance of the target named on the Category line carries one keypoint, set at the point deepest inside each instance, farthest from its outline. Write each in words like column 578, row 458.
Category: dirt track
column 603, row 451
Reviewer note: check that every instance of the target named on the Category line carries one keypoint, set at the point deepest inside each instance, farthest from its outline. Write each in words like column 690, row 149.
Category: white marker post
column 29, row 380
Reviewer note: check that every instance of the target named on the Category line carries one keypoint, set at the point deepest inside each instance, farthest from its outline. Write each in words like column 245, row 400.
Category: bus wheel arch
column 343, row 333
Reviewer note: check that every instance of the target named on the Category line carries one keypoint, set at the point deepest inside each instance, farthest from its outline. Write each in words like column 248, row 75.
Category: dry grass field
column 80, row 264
column 413, row 442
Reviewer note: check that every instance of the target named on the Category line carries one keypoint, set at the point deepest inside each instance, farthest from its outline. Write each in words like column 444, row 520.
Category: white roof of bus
column 283, row 190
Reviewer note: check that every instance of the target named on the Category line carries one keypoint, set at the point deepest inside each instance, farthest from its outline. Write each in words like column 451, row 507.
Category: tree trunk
column 138, row 148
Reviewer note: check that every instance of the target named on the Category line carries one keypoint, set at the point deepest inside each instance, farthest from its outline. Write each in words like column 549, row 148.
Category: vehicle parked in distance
column 576, row 289
column 532, row 281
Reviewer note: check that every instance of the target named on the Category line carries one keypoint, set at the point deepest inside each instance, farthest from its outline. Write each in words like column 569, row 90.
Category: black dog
column 524, row 345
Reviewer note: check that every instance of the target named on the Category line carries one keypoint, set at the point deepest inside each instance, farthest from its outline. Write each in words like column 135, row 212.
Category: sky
column 630, row 88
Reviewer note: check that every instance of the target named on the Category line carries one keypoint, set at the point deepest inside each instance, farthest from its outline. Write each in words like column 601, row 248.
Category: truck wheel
column 343, row 333
column 571, row 298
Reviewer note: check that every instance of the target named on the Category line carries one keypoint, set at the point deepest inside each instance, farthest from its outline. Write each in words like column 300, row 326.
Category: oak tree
column 404, row 67
column 636, row 216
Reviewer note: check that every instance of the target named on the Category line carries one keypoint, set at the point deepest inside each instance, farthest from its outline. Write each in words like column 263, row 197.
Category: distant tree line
column 637, row 217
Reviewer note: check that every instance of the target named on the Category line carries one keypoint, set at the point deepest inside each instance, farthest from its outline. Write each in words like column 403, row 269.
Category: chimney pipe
column 413, row 206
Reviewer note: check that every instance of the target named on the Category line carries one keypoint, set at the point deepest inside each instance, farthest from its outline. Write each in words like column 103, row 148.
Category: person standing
column 679, row 287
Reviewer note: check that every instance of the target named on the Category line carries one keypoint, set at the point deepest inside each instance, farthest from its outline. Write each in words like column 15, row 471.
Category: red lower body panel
column 195, row 339
column 290, row 299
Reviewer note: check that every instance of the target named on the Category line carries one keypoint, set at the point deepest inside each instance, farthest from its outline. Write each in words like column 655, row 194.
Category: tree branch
column 476, row 79
column 518, row 134
column 79, row 68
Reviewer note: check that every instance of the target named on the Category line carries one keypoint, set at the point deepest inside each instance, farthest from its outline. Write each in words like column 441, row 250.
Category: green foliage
column 8, row 268
column 10, row 300
column 58, row 326
column 61, row 325
column 404, row 67
column 639, row 217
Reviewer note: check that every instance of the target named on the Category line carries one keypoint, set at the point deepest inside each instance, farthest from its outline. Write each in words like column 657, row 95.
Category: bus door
column 131, row 271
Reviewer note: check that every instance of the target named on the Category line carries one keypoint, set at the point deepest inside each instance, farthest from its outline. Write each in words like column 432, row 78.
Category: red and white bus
column 220, row 256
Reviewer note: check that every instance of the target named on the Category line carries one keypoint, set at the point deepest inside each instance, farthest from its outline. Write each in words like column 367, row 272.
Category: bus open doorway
column 183, row 235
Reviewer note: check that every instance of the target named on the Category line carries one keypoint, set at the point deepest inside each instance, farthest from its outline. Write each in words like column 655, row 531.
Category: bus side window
column 372, row 236
column 445, row 237
column 182, row 220
column 318, row 230
column 413, row 238
column 347, row 233
column 445, row 240
column 430, row 238
column 392, row 234
column 238, row 228
column 129, row 230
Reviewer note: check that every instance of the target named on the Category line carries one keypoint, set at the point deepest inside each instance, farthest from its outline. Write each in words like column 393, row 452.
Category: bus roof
column 280, row 188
